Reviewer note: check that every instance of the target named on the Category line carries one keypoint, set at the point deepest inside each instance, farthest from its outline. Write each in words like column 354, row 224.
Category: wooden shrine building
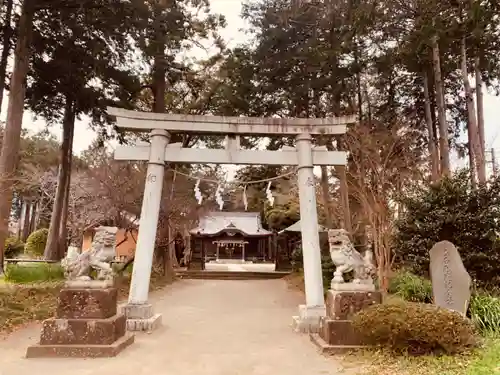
column 235, row 236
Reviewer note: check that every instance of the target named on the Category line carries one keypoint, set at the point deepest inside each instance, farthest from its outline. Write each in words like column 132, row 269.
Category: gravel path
column 210, row 327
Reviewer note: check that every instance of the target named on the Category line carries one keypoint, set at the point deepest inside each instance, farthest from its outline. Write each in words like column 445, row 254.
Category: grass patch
column 487, row 361
column 32, row 273
column 411, row 287
column 485, row 313
column 482, row 361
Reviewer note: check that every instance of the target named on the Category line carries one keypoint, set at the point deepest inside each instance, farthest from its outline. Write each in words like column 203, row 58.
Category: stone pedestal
column 86, row 325
column 336, row 333
column 308, row 319
column 140, row 317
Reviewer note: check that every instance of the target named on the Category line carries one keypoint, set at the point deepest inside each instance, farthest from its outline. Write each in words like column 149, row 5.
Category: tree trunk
column 325, row 189
column 433, row 154
column 36, row 215
column 433, row 105
column 63, row 228
column 26, row 220
column 12, row 132
column 344, row 198
column 171, row 248
column 480, row 107
column 472, row 129
column 20, row 227
column 187, row 246
column 51, row 248
column 159, row 80
column 6, row 45
column 159, row 85
column 169, row 256
column 33, row 218
column 358, row 80
column 443, row 125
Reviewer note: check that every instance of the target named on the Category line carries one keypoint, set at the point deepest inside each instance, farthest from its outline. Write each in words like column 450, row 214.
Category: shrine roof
column 247, row 223
column 296, row 227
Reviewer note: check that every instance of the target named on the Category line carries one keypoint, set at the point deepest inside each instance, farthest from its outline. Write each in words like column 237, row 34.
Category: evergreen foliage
column 452, row 210
column 416, row 328
column 35, row 244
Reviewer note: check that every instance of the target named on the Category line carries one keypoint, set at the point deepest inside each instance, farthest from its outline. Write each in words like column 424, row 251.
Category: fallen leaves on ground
column 21, row 304
column 483, row 361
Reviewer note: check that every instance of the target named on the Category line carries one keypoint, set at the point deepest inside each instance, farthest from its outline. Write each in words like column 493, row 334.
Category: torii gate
column 139, row 311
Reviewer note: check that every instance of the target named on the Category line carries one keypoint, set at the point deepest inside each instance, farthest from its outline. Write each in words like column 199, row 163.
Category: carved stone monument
column 87, row 323
column 345, row 299
column 450, row 280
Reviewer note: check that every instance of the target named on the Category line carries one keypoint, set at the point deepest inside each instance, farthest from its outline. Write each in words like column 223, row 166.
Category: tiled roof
column 296, row 227
column 215, row 222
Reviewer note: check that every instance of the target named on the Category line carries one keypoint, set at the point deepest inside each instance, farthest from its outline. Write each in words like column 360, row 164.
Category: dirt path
column 210, row 327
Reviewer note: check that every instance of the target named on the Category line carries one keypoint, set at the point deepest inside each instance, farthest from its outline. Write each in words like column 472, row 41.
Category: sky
column 234, row 35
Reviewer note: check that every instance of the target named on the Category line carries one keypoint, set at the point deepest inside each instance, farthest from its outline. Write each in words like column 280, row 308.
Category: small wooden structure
column 126, row 241
column 236, row 236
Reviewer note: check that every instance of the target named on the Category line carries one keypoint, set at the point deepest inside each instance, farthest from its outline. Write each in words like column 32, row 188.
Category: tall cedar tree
column 169, row 27
column 81, row 64
column 12, row 133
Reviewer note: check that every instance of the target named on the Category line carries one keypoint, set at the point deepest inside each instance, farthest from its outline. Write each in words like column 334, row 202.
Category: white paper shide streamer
column 197, row 192
column 269, row 194
column 245, row 200
column 218, row 197
column 220, row 190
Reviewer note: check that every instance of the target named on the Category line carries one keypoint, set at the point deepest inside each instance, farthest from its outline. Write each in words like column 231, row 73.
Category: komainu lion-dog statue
column 98, row 257
column 346, row 259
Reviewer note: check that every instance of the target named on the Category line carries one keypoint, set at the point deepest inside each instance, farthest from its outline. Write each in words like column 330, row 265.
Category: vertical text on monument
column 450, row 280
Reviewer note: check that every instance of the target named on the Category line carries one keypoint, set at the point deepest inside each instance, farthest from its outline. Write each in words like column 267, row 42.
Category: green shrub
column 484, row 311
column 35, row 244
column 415, row 328
column 13, row 247
column 410, row 287
column 30, row 273
column 452, row 210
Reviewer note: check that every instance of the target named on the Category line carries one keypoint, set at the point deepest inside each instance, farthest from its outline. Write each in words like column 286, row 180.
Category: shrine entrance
column 230, row 250
column 234, row 237
column 303, row 156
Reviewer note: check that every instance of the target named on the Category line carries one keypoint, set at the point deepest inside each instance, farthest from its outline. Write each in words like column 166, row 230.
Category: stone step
column 231, row 275
column 82, row 331
column 80, row 351
column 87, row 303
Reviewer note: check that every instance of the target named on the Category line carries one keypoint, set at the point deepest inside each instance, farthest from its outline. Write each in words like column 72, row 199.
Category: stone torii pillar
column 139, row 311
column 314, row 308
